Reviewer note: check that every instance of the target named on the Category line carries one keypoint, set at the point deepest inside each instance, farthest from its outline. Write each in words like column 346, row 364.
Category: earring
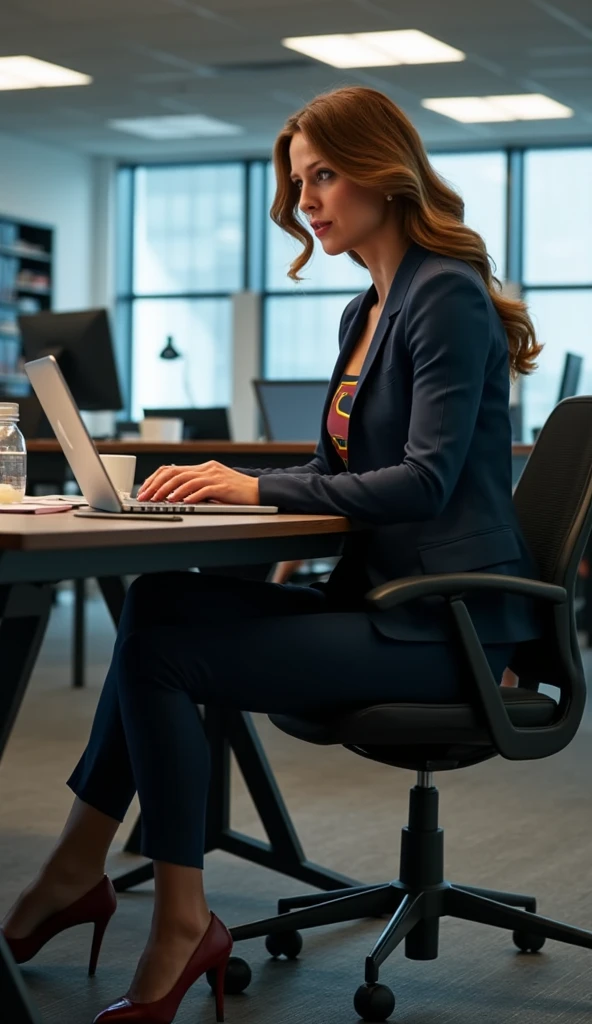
column 389, row 199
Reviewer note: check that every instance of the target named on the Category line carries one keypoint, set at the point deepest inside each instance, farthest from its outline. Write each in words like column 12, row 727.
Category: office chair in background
column 554, row 504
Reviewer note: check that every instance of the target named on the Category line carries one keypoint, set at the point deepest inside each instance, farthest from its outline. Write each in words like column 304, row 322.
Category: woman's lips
column 320, row 227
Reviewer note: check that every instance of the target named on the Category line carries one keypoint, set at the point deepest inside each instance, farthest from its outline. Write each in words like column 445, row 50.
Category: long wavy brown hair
column 366, row 138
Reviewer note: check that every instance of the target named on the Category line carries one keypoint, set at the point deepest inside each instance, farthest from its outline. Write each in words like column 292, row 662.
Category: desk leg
column 79, row 637
column 233, row 731
column 17, row 1008
column 24, row 611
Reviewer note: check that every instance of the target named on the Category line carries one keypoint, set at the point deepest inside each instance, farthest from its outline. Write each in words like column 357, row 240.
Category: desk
column 37, row 551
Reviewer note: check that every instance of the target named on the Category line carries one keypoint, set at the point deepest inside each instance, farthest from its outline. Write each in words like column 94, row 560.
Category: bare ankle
column 64, row 871
column 186, row 929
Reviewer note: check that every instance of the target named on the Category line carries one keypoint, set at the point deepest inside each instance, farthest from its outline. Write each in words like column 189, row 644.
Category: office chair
column 553, row 500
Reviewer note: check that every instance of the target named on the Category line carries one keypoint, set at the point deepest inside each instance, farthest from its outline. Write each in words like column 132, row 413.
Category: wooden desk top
column 63, row 531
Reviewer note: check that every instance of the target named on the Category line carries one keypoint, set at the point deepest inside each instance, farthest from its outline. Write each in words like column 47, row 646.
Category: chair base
column 416, row 901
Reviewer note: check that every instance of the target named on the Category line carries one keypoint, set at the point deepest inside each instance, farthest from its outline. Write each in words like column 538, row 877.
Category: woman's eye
column 324, row 174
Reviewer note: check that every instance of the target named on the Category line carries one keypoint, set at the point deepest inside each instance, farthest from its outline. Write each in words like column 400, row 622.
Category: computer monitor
column 291, row 410
column 198, row 424
column 570, row 380
column 83, row 347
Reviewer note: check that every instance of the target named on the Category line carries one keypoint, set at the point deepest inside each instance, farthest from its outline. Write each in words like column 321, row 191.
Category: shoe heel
column 98, row 934
column 220, row 976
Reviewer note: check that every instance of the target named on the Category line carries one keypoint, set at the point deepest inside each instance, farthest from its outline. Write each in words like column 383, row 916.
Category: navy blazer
column 429, row 453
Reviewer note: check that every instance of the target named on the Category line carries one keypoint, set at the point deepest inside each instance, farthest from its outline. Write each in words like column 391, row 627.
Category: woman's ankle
column 192, row 928
column 67, row 872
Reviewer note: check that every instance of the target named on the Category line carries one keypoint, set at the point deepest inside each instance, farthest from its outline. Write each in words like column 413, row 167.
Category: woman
column 425, row 360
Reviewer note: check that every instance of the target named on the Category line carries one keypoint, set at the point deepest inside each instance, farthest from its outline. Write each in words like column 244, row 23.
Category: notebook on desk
column 84, row 460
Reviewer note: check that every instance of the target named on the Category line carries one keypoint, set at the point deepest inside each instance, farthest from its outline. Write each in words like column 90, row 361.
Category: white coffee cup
column 121, row 470
column 157, row 428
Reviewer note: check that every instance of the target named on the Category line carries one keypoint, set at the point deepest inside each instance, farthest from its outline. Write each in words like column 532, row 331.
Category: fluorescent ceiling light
column 375, row 49
column 30, row 73
column 178, row 126
column 472, row 109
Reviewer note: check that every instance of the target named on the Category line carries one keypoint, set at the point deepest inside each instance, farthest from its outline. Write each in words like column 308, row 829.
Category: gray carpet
column 525, row 827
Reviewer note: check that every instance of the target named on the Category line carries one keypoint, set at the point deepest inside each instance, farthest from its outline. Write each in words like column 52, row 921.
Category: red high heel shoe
column 95, row 907
column 212, row 952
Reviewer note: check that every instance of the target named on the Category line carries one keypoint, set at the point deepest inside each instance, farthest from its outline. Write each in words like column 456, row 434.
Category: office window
column 563, row 321
column 558, row 216
column 201, row 331
column 189, row 233
column 189, row 229
column 481, row 180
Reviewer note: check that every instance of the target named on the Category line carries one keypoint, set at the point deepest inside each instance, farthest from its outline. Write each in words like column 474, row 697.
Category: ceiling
column 224, row 58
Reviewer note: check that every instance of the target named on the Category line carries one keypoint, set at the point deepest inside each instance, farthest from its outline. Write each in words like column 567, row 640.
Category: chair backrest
column 553, row 501
column 553, row 498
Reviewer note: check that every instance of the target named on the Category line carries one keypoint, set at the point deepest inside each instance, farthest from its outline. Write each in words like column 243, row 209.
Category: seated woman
column 415, row 447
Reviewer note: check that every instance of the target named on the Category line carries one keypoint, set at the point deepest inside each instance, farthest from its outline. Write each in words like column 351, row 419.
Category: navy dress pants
column 187, row 638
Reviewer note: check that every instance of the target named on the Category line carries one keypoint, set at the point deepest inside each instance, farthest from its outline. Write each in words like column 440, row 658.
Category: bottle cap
column 9, row 411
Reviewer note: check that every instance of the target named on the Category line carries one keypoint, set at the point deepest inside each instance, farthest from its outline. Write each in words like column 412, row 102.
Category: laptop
column 291, row 410
column 78, row 447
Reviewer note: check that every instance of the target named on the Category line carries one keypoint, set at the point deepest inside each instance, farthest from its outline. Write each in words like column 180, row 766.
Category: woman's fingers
column 171, row 487
column 187, row 485
column 159, row 480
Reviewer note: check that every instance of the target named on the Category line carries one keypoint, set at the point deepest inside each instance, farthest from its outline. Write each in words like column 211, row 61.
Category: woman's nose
column 307, row 202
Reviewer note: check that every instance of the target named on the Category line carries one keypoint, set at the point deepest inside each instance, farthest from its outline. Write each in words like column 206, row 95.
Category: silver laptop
column 78, row 447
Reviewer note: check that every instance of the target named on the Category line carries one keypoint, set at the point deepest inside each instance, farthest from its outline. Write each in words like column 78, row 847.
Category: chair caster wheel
column 374, row 1002
column 528, row 942
column 286, row 944
column 236, row 979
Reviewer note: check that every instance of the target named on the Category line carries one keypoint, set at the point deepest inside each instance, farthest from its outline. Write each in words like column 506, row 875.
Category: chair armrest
column 389, row 595
column 510, row 741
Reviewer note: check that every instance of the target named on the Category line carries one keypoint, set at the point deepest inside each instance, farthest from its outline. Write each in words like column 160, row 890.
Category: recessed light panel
column 30, row 73
column 179, row 126
column 479, row 109
column 375, row 49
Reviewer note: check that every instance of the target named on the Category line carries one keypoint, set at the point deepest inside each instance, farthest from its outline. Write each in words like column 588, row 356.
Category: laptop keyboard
column 165, row 507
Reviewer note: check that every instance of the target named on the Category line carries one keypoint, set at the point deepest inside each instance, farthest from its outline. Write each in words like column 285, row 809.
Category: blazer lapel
column 412, row 259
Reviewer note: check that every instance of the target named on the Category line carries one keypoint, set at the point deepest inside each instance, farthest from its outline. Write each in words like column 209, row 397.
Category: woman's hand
column 208, row 482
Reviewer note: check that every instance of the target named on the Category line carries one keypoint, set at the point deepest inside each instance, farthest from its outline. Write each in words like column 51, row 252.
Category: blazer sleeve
column 448, row 334
column 318, row 464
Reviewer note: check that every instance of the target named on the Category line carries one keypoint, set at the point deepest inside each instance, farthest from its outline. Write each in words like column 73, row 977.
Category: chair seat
column 422, row 726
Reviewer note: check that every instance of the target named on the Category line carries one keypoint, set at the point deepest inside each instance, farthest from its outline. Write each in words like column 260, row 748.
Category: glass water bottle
column 13, row 455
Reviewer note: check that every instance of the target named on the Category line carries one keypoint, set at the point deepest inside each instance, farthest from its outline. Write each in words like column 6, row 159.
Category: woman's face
column 343, row 215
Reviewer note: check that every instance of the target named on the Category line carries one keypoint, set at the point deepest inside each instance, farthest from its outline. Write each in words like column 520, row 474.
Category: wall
column 74, row 194
column 55, row 187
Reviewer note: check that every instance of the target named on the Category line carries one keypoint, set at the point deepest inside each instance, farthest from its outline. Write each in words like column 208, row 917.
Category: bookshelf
column 26, row 285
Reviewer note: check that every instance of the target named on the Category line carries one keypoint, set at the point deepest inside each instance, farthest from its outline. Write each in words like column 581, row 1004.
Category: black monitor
column 291, row 410
column 82, row 344
column 570, row 380
column 198, row 424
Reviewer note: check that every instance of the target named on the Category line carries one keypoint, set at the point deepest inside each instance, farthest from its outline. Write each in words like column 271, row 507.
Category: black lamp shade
column 169, row 351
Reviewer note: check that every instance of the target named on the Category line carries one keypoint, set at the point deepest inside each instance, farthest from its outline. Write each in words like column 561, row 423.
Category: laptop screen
column 291, row 409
